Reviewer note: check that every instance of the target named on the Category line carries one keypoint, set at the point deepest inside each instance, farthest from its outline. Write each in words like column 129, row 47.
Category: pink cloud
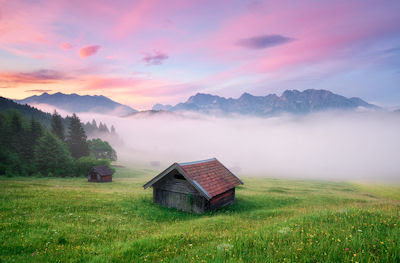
column 65, row 46
column 133, row 18
column 35, row 77
column 99, row 83
column 111, row 57
column 136, row 86
column 146, row 15
column 88, row 51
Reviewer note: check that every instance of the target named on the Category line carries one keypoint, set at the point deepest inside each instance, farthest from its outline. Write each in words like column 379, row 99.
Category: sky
column 141, row 53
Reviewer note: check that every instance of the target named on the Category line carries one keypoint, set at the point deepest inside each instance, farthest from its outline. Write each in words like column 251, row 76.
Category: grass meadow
column 273, row 220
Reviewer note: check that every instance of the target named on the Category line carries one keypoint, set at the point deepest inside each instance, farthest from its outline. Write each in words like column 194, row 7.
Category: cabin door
column 93, row 177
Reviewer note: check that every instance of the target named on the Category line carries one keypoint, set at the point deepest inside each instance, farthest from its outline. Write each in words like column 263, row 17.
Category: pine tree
column 16, row 123
column 52, row 156
column 103, row 128
column 76, row 139
column 112, row 129
column 57, row 126
column 14, row 147
column 106, row 128
column 33, row 135
column 94, row 124
column 36, row 130
column 15, row 132
column 3, row 130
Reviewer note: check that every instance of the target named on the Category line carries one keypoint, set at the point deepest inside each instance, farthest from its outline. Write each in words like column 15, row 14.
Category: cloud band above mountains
column 264, row 41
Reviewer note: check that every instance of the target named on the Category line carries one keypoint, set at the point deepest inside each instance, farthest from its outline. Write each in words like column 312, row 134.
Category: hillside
column 77, row 103
column 91, row 129
column 291, row 101
column 27, row 111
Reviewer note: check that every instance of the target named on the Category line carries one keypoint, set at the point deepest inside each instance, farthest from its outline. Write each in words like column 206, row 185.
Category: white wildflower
column 284, row 230
column 224, row 247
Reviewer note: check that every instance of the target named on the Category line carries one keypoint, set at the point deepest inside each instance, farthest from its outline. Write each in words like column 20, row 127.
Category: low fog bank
column 361, row 146
column 336, row 145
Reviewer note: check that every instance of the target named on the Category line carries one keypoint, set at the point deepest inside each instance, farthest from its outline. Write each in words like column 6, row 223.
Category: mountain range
column 77, row 103
column 291, row 101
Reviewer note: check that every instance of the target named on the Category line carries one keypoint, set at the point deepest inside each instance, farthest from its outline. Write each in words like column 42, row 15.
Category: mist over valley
column 355, row 145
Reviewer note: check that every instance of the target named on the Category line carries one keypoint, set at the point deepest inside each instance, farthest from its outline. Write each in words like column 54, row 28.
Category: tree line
column 91, row 129
column 29, row 148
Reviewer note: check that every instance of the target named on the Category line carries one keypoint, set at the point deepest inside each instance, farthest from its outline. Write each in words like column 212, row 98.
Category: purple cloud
column 157, row 58
column 264, row 41
column 38, row 90
column 45, row 74
column 42, row 76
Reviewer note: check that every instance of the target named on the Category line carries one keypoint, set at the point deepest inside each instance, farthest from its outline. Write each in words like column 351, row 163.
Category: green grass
column 71, row 220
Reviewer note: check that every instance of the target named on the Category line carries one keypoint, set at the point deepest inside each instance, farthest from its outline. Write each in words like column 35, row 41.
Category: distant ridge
column 45, row 119
column 77, row 103
column 291, row 101
column 154, row 113
column 26, row 110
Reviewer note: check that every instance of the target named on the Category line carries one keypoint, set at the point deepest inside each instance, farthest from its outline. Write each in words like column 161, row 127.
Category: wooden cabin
column 195, row 186
column 100, row 174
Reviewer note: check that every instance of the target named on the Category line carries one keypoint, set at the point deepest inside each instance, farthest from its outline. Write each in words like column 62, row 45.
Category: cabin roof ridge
column 196, row 162
column 102, row 170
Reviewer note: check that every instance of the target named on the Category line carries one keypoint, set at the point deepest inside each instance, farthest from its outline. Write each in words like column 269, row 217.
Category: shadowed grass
column 71, row 220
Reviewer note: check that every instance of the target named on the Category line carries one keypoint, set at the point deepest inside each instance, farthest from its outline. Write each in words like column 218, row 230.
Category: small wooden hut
column 195, row 186
column 100, row 174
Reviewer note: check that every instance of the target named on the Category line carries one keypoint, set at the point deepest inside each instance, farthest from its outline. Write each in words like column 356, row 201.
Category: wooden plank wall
column 223, row 199
column 103, row 179
column 182, row 201
column 172, row 191
column 107, row 178
column 170, row 183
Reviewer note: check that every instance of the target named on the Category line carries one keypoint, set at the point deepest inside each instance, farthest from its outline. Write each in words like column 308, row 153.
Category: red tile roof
column 102, row 170
column 211, row 176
